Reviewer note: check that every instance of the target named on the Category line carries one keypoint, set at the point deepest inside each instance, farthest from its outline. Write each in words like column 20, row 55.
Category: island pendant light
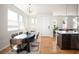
column 65, row 20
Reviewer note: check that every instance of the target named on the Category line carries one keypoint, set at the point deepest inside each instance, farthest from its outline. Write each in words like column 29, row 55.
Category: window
column 21, row 26
column 12, row 20
column 33, row 21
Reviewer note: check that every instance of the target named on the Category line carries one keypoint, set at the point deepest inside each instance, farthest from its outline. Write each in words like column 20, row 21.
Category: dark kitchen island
column 68, row 40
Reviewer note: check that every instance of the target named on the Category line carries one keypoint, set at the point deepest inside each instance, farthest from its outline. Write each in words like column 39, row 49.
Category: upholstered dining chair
column 17, row 45
column 35, row 43
column 20, row 33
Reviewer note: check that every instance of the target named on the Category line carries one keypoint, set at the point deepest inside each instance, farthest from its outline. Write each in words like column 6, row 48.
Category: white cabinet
column 78, row 9
column 71, row 10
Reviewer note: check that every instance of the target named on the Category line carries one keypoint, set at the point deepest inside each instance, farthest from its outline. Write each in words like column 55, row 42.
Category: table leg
column 28, row 47
column 18, row 51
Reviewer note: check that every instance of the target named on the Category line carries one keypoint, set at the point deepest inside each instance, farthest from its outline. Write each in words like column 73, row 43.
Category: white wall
column 69, row 22
column 60, row 21
column 4, row 33
column 43, row 22
column 3, row 26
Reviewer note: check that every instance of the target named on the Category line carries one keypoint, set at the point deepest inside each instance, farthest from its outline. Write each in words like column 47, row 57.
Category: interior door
column 44, row 26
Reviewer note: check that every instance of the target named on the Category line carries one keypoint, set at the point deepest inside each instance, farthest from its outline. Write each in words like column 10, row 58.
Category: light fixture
column 66, row 12
column 75, row 19
column 65, row 20
column 76, row 13
column 77, row 10
column 29, row 9
column 66, row 16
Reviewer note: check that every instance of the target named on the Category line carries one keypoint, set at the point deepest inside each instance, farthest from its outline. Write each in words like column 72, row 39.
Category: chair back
column 37, row 36
column 20, row 32
column 13, row 35
column 16, row 34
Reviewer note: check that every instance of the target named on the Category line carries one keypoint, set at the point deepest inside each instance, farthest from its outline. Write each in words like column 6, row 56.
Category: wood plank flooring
column 48, row 45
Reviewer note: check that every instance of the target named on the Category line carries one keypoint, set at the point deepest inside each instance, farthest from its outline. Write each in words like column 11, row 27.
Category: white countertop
column 67, row 32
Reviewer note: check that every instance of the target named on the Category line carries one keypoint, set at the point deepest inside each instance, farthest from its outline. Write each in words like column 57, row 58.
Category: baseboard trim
column 4, row 47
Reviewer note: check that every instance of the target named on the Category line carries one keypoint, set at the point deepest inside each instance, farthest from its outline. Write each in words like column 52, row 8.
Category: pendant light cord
column 77, row 10
column 66, row 10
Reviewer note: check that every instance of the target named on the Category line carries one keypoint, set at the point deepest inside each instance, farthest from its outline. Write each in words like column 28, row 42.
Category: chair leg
column 25, row 48
column 18, row 51
column 28, row 47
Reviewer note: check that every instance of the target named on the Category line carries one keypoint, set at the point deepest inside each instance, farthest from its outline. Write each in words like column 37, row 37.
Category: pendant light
column 76, row 15
column 77, row 10
column 65, row 20
column 66, row 17
column 29, row 9
column 75, row 19
column 66, row 12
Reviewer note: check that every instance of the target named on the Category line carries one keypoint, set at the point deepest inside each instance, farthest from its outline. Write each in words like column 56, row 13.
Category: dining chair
column 17, row 45
column 20, row 33
column 35, row 43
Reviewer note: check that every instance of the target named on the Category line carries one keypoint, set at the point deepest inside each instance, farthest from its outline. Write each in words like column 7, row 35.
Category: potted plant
column 54, row 30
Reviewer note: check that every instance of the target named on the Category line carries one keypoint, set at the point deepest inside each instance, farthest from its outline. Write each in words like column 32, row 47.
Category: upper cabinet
column 71, row 10
column 66, row 9
column 59, row 10
column 78, row 9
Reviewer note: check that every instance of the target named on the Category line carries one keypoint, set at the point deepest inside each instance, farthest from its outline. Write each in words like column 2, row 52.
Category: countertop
column 67, row 32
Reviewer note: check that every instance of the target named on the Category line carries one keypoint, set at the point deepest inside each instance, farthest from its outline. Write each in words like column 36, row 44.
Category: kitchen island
column 68, row 40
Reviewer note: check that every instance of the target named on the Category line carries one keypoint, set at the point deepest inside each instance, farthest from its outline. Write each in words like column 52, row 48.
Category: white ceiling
column 49, row 9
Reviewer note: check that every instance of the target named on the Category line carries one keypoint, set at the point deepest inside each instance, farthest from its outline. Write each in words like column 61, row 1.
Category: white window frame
column 12, row 20
column 21, row 25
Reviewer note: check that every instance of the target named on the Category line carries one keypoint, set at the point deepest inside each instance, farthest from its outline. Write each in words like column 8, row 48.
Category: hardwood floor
column 5, row 50
column 48, row 46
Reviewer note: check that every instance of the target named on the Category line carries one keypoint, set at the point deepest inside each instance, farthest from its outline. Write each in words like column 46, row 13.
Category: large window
column 21, row 26
column 33, row 23
column 14, row 21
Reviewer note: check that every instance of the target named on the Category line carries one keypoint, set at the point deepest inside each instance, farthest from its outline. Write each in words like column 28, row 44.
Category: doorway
column 43, row 25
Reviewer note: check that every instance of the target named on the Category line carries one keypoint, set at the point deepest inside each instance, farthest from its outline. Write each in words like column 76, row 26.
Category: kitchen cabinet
column 75, row 41
column 63, row 41
column 68, row 41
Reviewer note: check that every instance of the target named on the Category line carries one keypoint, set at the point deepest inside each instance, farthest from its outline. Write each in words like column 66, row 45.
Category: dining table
column 25, row 38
